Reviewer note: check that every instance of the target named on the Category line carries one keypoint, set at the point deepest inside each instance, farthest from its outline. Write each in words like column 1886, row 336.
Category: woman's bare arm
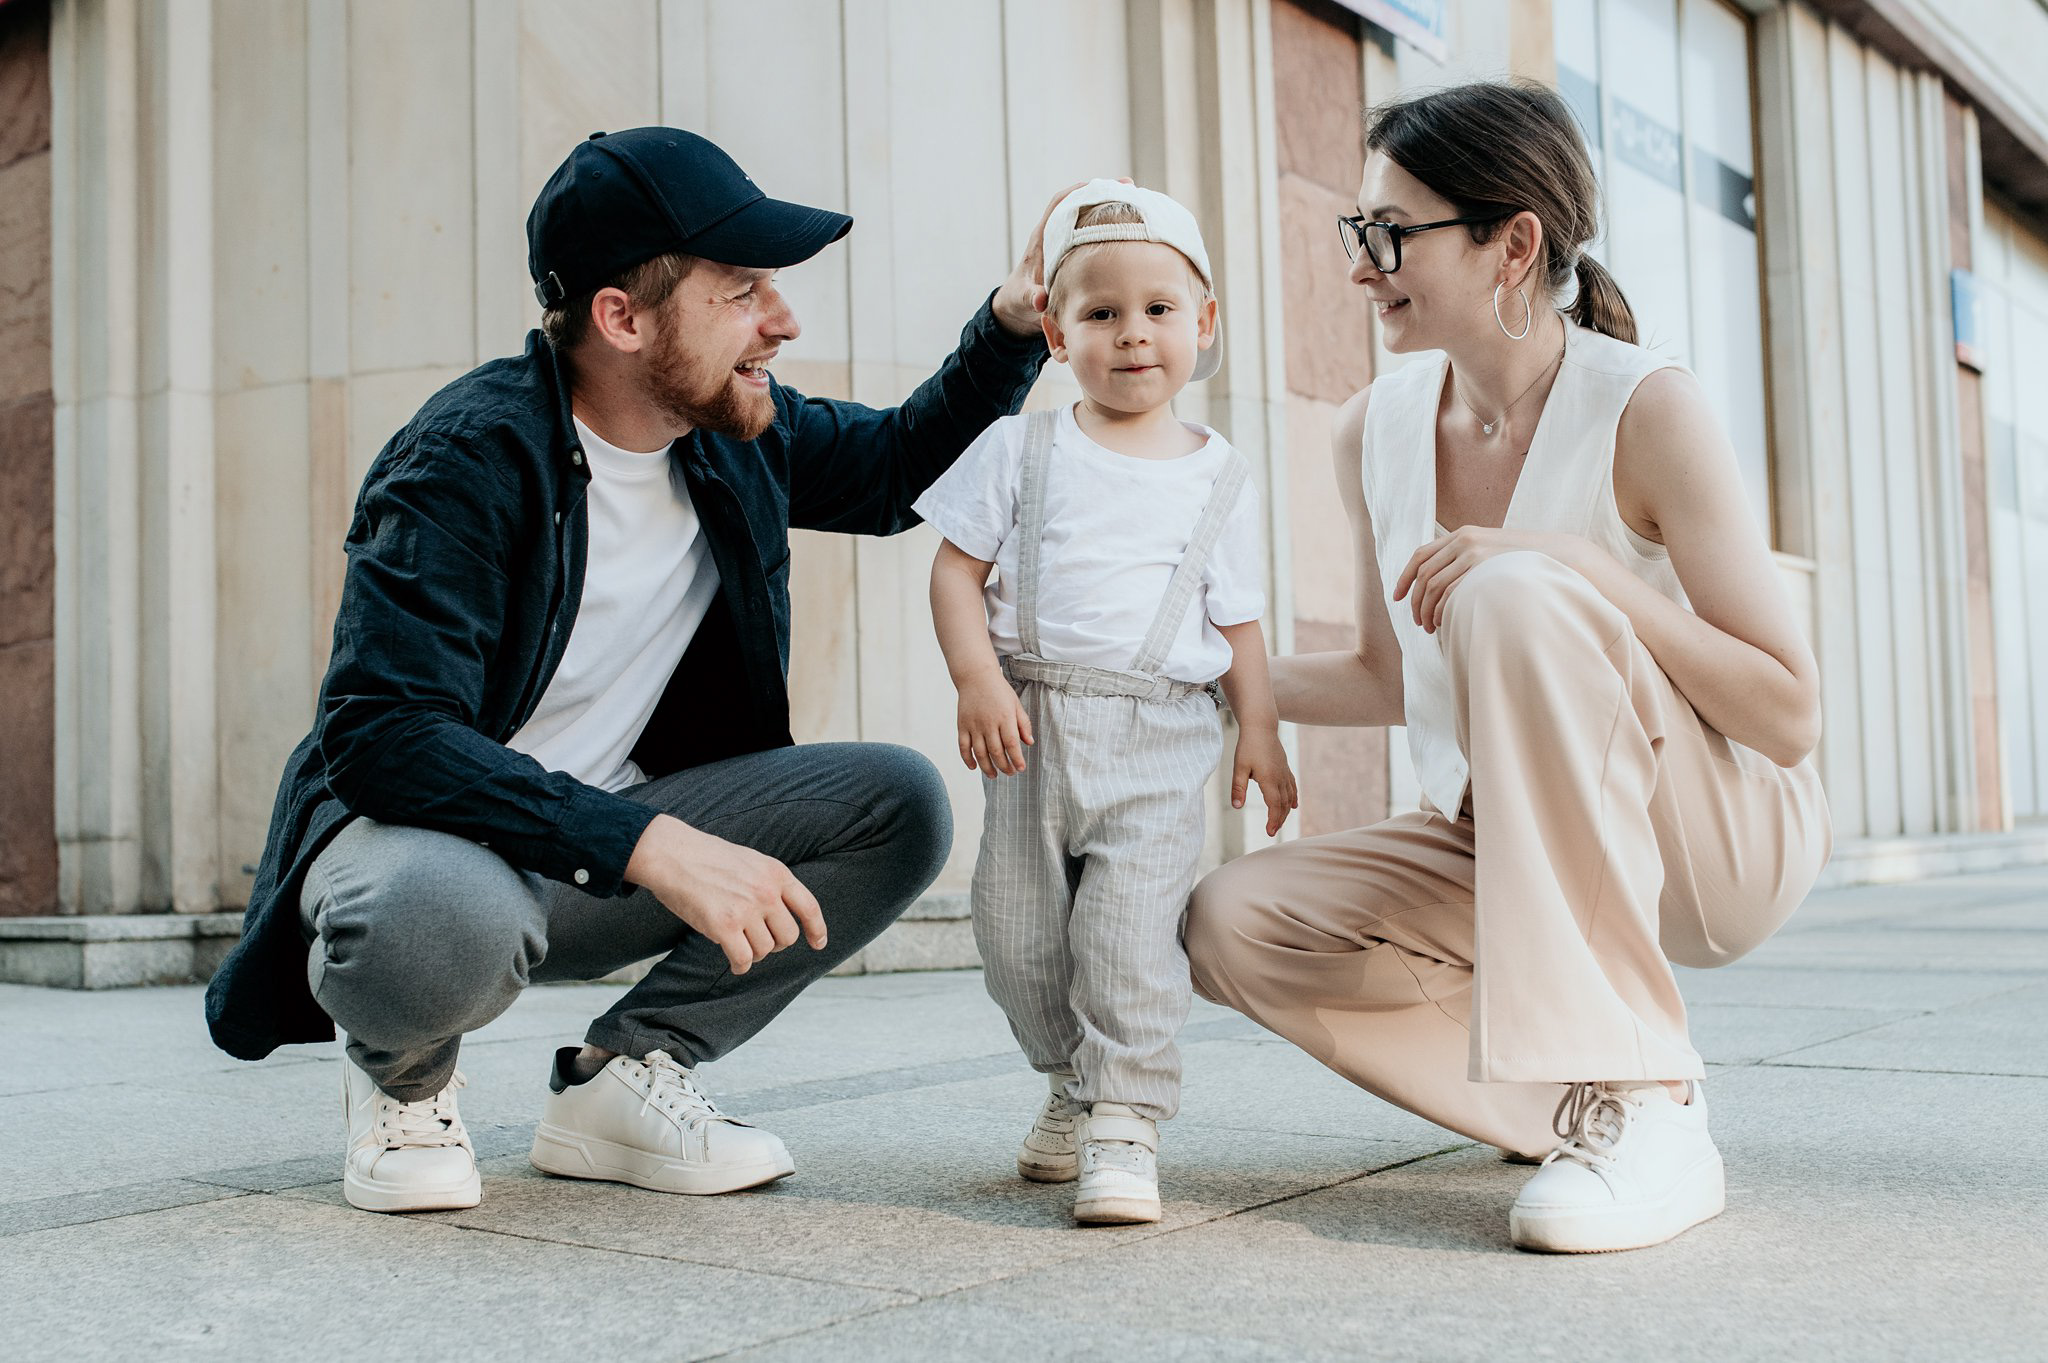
column 1360, row 685
column 1738, row 655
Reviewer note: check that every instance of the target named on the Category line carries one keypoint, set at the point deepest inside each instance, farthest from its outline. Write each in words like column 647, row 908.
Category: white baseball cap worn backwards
column 1165, row 222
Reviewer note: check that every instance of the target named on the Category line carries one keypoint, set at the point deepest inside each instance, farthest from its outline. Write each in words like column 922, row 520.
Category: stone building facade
column 240, row 240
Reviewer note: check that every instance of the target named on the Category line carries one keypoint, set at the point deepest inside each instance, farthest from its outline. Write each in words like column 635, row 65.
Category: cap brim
column 1207, row 362
column 769, row 234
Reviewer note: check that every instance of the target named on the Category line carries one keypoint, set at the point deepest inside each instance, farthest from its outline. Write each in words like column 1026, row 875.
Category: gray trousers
column 1087, row 858
column 418, row 937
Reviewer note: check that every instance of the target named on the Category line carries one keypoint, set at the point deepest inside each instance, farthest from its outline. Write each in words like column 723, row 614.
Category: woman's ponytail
column 1600, row 305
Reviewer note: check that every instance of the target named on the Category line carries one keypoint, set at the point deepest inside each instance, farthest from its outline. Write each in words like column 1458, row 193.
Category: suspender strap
column 1187, row 578
column 1038, row 430
column 1078, row 679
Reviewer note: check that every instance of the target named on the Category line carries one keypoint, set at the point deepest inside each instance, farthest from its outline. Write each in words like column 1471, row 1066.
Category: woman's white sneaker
column 647, row 1122
column 1119, row 1167
column 1636, row 1168
column 405, row 1157
column 1048, row 1155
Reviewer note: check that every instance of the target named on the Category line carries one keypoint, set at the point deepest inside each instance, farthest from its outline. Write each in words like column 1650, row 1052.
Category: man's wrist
column 1016, row 325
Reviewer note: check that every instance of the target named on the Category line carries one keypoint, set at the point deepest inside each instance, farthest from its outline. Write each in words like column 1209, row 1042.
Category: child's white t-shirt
column 1115, row 528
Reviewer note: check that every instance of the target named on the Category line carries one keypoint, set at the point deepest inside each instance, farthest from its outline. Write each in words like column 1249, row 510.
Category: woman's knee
column 1706, row 936
column 1225, row 916
column 1505, row 593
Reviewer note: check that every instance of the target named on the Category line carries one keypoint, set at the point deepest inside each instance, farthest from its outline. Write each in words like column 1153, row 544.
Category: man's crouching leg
column 866, row 827
column 417, row 938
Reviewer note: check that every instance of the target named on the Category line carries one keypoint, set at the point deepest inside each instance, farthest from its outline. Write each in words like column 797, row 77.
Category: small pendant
column 1486, row 426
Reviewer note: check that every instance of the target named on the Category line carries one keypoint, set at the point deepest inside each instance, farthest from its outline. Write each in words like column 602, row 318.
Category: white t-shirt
column 1115, row 529
column 648, row 583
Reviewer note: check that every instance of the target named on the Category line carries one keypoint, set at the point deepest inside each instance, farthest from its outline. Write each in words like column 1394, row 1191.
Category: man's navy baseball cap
column 626, row 197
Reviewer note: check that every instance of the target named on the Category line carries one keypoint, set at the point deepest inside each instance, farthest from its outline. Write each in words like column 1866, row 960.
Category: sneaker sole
column 1050, row 1169
column 1116, row 1211
column 368, row 1195
column 566, row 1155
column 1702, row 1194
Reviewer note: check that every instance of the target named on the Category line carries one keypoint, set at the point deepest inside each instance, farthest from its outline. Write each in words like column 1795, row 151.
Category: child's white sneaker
column 1119, row 1167
column 1636, row 1168
column 1048, row 1155
column 405, row 1157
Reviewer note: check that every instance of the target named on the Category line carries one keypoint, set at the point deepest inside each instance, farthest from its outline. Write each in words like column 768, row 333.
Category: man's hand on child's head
column 1020, row 302
column 994, row 730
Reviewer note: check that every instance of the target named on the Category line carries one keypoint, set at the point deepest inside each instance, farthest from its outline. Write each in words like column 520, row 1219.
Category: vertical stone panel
column 1854, row 260
column 1319, row 102
column 792, row 143
column 937, row 108
column 1992, row 815
column 265, row 541
column 28, row 721
column 411, row 237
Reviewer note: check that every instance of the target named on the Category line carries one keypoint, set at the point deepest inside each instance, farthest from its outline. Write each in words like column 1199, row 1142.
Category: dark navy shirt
column 465, row 568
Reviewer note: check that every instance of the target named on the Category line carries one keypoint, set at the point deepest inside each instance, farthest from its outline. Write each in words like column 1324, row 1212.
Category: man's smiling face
column 707, row 364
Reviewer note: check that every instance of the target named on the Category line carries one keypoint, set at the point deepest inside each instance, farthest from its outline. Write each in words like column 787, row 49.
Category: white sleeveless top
column 1566, row 485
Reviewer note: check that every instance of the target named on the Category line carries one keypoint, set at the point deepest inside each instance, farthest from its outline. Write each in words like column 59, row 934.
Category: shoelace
column 1591, row 1119
column 425, row 1123
column 674, row 1090
column 1127, row 1156
column 1058, row 1115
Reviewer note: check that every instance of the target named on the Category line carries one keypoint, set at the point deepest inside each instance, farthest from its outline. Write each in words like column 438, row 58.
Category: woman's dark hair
column 1510, row 146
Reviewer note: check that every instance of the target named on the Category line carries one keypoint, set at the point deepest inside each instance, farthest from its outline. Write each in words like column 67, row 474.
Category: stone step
column 118, row 951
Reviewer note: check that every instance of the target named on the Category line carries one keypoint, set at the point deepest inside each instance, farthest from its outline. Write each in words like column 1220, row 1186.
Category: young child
column 1128, row 574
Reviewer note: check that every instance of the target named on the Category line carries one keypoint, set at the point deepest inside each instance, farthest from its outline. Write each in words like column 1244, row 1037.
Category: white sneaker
column 647, row 1123
column 1119, row 1167
column 1636, row 1168
column 405, row 1157
column 1048, row 1155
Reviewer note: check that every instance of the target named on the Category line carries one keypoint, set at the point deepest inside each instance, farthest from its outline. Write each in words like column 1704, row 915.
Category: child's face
column 1130, row 321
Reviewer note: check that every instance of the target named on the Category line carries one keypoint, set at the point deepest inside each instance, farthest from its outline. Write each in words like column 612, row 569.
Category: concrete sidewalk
column 1880, row 1092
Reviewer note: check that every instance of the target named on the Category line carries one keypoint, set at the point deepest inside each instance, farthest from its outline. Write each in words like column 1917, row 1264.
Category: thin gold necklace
column 1487, row 426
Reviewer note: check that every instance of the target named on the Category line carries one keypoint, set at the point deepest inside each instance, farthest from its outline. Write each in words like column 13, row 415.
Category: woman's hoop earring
column 1528, row 314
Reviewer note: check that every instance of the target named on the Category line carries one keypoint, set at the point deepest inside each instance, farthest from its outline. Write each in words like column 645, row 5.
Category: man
column 553, row 739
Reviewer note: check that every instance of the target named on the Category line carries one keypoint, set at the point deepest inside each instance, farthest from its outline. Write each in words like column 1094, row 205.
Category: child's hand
column 994, row 730
column 1260, row 758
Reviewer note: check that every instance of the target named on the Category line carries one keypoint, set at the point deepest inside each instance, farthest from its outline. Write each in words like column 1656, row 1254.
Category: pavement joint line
column 1695, row 1005
column 936, row 1074
column 1125, row 1243
column 227, row 1195
column 2032, row 974
column 665, row 1258
column 1897, row 1069
column 752, row 1344
column 1831, row 1040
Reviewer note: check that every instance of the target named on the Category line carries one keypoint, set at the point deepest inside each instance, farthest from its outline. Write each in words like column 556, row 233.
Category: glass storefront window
column 1662, row 89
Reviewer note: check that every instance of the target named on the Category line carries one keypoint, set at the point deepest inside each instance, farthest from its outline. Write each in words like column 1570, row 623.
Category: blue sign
column 1418, row 22
column 1962, row 294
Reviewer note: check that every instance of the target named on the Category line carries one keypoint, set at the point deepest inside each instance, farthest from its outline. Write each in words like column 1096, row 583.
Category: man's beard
column 727, row 407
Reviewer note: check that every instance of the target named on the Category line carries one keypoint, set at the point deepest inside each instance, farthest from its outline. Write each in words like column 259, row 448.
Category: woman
column 1564, row 595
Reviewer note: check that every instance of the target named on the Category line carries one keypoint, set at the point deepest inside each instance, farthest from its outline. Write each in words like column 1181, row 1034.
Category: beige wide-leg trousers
column 1465, row 969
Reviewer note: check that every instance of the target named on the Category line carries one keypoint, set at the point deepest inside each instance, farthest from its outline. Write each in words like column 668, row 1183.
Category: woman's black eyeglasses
column 1382, row 240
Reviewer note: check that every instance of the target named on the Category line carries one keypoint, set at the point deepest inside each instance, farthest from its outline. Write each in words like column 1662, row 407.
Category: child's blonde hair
column 1107, row 215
